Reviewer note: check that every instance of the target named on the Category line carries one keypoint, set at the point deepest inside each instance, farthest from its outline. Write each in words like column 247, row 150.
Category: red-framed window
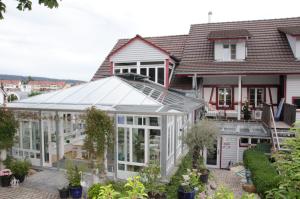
column 256, row 96
column 225, row 97
column 296, row 102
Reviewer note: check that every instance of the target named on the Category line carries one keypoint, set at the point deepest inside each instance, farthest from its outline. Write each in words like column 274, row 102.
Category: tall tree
column 23, row 5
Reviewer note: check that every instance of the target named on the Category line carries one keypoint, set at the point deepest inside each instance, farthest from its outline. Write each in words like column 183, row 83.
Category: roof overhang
column 291, row 30
column 236, row 34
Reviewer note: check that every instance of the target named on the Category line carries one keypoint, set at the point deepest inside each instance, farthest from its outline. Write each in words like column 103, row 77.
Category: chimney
column 209, row 16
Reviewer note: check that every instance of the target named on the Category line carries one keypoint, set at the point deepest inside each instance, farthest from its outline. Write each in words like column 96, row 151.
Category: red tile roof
column 47, row 83
column 14, row 82
column 268, row 49
column 172, row 44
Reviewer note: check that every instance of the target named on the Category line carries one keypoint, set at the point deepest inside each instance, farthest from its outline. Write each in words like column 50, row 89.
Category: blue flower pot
column 76, row 192
column 186, row 195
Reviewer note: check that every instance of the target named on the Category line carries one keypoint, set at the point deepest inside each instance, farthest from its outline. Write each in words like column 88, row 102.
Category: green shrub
column 18, row 167
column 263, row 173
column 94, row 190
column 176, row 179
column 264, row 147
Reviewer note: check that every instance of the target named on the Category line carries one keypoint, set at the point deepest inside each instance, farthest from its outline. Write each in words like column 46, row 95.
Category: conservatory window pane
column 134, row 168
column 154, row 145
column 129, row 120
column 154, row 121
column 26, row 135
column 121, row 144
column 36, row 141
column 121, row 119
column 138, row 145
column 46, row 140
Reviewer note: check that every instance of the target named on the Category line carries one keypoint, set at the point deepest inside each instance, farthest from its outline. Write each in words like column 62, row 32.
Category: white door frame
column 217, row 165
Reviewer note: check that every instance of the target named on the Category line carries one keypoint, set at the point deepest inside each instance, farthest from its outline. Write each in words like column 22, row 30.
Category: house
column 226, row 64
column 46, row 85
column 155, row 88
column 11, row 84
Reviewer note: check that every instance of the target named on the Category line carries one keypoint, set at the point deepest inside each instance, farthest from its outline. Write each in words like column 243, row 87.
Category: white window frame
column 229, row 51
column 138, row 68
column 255, row 95
column 225, row 97
column 147, row 129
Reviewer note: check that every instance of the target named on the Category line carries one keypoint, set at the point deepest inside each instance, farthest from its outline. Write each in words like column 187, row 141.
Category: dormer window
column 293, row 35
column 229, row 52
column 229, row 45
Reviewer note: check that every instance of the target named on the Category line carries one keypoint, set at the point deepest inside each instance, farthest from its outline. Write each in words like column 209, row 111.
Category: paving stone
column 25, row 193
column 228, row 179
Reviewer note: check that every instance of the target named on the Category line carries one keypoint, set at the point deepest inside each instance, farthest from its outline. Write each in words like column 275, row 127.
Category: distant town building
column 47, row 85
column 11, row 84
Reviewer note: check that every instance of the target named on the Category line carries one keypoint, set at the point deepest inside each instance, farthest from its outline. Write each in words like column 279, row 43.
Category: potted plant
column 19, row 169
column 74, row 178
column 5, row 176
column 204, row 172
column 201, row 136
column 246, row 111
column 150, row 178
column 188, row 187
column 64, row 192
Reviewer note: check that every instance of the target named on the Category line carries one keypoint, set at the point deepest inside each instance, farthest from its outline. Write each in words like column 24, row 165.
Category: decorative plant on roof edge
column 99, row 136
column 288, row 164
column 200, row 136
column 8, row 129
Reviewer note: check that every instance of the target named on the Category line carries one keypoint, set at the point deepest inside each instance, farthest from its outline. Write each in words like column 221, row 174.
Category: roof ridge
column 239, row 21
column 156, row 36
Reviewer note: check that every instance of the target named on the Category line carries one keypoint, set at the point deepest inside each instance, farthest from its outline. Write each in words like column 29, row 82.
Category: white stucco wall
column 219, row 51
column 295, row 45
column 293, row 90
column 138, row 51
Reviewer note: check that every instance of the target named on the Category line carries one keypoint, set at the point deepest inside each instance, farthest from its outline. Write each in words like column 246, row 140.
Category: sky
column 71, row 42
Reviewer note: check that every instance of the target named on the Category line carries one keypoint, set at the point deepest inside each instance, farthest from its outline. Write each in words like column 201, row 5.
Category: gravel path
column 228, row 179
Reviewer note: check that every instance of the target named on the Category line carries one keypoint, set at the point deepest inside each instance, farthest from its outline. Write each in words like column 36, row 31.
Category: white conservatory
column 150, row 122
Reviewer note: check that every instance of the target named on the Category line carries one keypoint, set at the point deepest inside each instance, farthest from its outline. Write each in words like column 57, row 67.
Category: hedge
column 263, row 173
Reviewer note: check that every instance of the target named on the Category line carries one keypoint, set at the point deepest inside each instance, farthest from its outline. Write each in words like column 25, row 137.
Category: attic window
column 126, row 64
column 152, row 63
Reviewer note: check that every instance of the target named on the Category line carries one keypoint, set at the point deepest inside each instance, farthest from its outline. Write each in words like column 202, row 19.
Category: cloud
column 73, row 40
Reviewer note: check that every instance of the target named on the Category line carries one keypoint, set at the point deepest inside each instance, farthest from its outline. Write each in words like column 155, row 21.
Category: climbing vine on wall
column 8, row 128
column 99, row 134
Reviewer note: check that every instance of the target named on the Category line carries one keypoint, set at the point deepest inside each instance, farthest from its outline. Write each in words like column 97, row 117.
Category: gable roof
column 268, row 50
column 229, row 34
column 172, row 44
column 138, row 37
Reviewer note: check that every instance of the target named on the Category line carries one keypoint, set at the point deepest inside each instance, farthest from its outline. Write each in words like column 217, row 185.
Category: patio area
column 43, row 184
